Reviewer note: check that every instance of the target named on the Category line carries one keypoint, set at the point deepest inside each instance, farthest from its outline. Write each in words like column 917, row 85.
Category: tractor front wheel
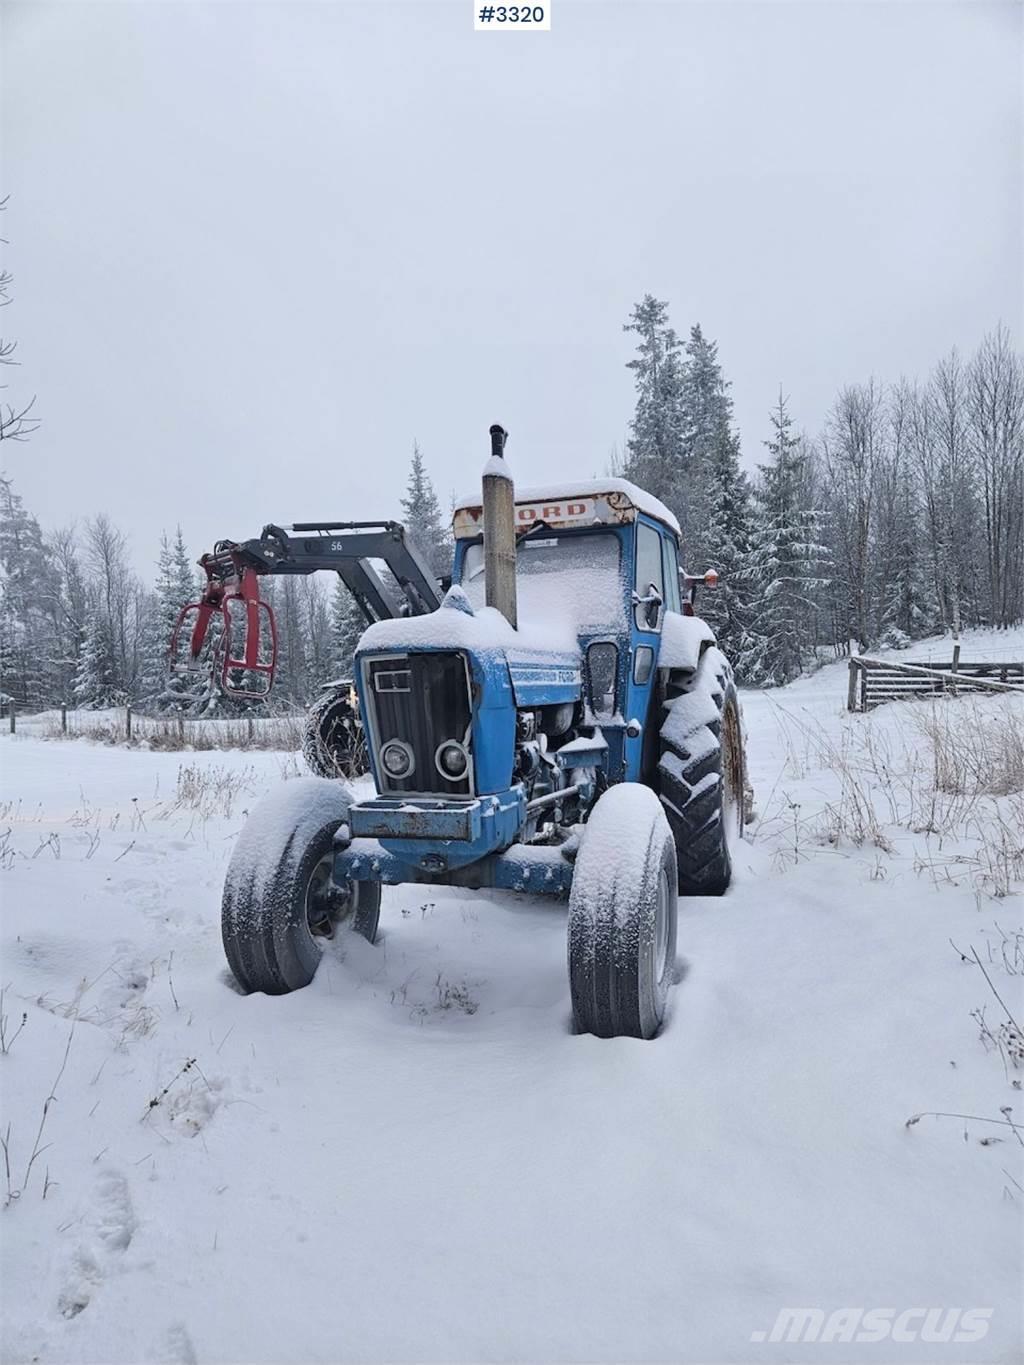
column 280, row 902
column 622, row 916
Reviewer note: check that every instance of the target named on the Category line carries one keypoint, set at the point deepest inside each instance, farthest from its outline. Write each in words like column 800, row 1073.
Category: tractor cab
column 599, row 561
column 610, row 548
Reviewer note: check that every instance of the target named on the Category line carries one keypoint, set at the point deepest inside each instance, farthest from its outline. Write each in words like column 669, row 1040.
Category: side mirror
column 652, row 606
column 652, row 603
column 689, row 583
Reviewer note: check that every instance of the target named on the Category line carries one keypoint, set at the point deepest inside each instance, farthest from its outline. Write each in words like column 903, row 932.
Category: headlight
column 397, row 759
column 602, row 666
column 451, row 760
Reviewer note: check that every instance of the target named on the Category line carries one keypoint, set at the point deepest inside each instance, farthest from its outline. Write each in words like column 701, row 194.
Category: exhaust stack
column 500, row 530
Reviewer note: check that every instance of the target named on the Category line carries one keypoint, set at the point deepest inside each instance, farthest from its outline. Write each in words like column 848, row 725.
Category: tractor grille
column 422, row 700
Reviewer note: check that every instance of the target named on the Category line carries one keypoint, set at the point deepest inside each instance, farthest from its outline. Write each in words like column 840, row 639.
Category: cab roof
column 593, row 502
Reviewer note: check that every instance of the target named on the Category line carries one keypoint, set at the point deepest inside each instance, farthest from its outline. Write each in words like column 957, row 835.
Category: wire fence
column 124, row 725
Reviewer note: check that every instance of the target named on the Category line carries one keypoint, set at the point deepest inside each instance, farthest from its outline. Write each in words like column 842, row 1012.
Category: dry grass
column 975, row 753
column 213, row 791
column 166, row 733
column 953, row 772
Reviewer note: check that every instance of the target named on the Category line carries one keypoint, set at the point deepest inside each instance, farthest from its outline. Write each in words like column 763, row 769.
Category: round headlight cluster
column 397, row 759
column 451, row 760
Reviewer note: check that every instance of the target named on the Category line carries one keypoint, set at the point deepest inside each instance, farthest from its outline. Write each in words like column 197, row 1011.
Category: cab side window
column 671, row 562
column 650, row 575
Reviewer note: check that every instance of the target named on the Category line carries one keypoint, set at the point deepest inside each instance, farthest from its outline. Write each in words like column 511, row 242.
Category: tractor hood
column 534, row 653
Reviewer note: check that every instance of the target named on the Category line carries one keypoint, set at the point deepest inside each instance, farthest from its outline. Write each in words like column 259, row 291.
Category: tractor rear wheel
column 701, row 772
column 622, row 916
column 280, row 901
column 333, row 743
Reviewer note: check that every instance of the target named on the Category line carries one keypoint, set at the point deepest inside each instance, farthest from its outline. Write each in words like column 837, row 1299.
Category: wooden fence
column 874, row 681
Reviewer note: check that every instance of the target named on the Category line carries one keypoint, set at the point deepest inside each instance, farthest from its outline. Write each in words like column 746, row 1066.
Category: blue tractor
column 562, row 723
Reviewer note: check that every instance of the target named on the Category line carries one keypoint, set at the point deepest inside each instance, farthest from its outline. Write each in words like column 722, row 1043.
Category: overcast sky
column 260, row 247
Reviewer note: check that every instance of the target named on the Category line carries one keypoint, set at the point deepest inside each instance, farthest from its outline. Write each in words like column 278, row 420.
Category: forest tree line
column 79, row 627
column 903, row 516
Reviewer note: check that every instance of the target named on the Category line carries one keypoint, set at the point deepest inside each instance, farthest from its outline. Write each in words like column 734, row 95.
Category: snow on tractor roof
column 595, row 501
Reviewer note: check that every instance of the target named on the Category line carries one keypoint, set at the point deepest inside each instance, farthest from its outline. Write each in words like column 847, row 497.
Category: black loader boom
column 346, row 547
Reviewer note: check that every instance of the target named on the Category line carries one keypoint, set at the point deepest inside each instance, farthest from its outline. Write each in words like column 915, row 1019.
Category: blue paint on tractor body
column 478, row 840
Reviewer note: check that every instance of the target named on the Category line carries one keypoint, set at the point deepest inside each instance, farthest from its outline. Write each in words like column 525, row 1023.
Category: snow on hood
column 484, row 630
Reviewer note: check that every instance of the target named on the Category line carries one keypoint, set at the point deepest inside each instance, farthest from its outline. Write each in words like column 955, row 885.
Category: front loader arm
column 347, row 548
column 232, row 593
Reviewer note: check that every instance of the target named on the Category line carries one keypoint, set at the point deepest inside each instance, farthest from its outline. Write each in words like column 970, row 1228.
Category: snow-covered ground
column 415, row 1159
column 979, row 645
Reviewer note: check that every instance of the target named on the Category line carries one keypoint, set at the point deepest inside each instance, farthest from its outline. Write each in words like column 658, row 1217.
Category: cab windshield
column 570, row 577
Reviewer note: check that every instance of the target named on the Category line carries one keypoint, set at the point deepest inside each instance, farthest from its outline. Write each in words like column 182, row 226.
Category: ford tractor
column 560, row 723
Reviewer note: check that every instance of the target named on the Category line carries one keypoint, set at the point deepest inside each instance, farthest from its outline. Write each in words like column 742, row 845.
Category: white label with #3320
column 512, row 18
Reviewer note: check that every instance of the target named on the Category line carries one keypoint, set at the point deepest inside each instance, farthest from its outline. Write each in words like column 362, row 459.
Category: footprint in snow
column 115, row 1215
column 112, row 1223
column 177, row 1348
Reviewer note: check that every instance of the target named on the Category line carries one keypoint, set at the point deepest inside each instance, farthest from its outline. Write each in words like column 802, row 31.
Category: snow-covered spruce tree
column 97, row 677
column 292, row 685
column 114, row 593
column 654, row 449
column 786, row 562
column 421, row 513
column 319, row 636
column 714, row 509
column 347, row 624
column 65, row 607
column 26, row 581
column 176, row 586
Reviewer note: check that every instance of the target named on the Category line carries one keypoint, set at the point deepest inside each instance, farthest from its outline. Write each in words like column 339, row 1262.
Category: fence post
column 956, row 665
column 128, row 722
column 249, row 728
column 63, row 717
column 851, row 695
column 12, row 708
column 181, row 727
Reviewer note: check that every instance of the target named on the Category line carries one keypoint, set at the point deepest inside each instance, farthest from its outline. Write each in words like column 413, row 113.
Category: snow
column 584, row 744
column 615, row 848
column 582, row 488
column 690, row 714
column 484, row 630
column 306, row 804
column 554, row 604
column 497, row 468
column 977, row 645
column 681, row 639
column 568, row 584
column 415, row 1159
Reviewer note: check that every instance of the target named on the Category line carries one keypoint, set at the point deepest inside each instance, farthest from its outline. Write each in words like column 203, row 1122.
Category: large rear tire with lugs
column 622, row 916
column 280, row 902
column 333, row 743
column 701, row 773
